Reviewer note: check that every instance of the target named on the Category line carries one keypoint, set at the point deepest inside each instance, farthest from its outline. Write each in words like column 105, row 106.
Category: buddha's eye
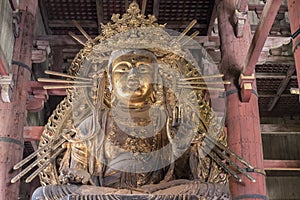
column 144, row 68
column 122, row 67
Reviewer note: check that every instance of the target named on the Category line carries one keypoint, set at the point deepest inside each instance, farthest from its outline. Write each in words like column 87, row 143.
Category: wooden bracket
column 38, row 95
column 37, row 98
column 42, row 49
column 239, row 19
column 34, row 104
column 246, row 87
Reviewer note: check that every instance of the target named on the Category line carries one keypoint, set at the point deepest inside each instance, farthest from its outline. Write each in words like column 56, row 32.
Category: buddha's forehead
column 134, row 58
column 132, row 55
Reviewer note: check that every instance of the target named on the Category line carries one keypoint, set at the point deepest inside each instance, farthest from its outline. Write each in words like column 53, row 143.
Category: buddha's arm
column 74, row 165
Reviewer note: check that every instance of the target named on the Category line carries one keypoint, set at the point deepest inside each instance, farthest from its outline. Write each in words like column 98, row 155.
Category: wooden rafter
column 156, row 8
column 291, row 165
column 260, row 35
column 282, row 87
column 100, row 15
column 43, row 10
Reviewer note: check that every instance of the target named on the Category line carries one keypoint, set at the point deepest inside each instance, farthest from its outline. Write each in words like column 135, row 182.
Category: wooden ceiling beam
column 68, row 42
column 183, row 25
column 291, row 165
column 69, row 23
column 260, row 7
column 268, row 95
column 100, row 15
column 294, row 17
column 93, row 24
column 260, row 35
column 280, row 129
column 272, row 76
column 282, row 87
column 61, row 40
column 36, row 88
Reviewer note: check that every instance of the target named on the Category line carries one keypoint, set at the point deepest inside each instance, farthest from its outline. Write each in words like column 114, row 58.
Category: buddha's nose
column 133, row 73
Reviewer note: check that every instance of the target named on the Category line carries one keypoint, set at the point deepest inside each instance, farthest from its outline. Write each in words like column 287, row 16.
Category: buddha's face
column 132, row 77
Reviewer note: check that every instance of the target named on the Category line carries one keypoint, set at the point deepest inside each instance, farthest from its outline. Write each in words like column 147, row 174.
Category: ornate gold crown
column 130, row 20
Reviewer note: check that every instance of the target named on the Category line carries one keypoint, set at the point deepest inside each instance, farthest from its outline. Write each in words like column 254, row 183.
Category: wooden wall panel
column 283, row 188
column 281, row 147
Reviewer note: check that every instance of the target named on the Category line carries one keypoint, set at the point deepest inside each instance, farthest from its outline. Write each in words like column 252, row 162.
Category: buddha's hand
column 182, row 134
column 73, row 175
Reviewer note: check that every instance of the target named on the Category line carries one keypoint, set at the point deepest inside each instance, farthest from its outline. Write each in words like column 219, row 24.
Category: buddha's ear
column 109, row 80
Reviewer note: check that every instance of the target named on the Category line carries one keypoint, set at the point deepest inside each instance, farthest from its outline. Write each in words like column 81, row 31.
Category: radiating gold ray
column 227, row 150
column 50, row 80
column 37, row 161
column 31, row 156
column 187, row 29
column 41, row 168
column 190, row 38
column 234, row 174
column 219, row 152
column 144, row 4
column 202, row 77
column 66, row 75
column 50, row 87
column 204, row 83
column 81, row 30
column 76, row 37
column 201, row 88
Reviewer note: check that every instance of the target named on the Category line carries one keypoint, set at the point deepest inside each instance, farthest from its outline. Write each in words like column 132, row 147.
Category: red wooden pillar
column 294, row 16
column 13, row 115
column 242, row 118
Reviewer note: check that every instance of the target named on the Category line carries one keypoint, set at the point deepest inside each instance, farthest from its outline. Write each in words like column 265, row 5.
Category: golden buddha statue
column 135, row 122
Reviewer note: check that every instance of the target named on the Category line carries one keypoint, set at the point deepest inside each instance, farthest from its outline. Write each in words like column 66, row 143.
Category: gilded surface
column 173, row 63
column 137, row 120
